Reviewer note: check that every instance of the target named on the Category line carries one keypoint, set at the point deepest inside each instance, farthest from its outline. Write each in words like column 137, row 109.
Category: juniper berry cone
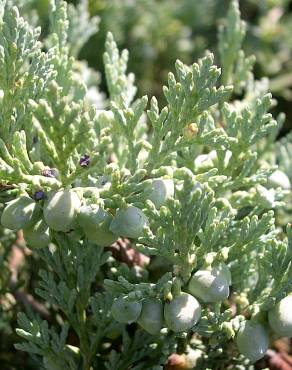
column 50, row 172
column 84, row 160
column 39, row 195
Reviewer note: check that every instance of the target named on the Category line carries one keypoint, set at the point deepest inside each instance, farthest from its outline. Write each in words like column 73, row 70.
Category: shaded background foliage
column 157, row 32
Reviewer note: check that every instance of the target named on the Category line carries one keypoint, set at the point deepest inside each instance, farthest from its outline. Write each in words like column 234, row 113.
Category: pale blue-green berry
column 129, row 222
column 205, row 160
column 252, row 340
column 279, row 179
column 267, row 196
column 37, row 235
column 224, row 269
column 208, row 160
column 126, row 311
column 209, row 285
column 95, row 222
column 162, row 189
column 280, row 317
column 182, row 313
column 60, row 209
column 114, row 330
column 20, row 213
column 151, row 318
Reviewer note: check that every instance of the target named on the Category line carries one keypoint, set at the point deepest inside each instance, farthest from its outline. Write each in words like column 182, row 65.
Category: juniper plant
column 191, row 185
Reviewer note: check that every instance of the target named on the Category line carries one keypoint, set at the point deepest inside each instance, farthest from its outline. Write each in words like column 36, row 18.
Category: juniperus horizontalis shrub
column 191, row 185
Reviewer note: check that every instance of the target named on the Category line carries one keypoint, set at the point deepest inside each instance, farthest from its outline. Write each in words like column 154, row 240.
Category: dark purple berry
column 50, row 172
column 84, row 160
column 39, row 195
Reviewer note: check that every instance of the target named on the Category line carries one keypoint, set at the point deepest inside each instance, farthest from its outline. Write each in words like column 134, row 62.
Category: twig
column 17, row 259
column 124, row 252
column 279, row 361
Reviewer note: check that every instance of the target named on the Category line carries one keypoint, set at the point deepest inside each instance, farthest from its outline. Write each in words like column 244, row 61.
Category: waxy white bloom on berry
column 126, row 311
column 280, row 317
column 182, row 313
column 20, row 213
column 37, row 235
column 93, row 96
column 252, row 340
column 163, row 189
column 279, row 179
column 267, row 196
column 95, row 222
column 210, row 285
column 61, row 209
column 151, row 318
column 129, row 222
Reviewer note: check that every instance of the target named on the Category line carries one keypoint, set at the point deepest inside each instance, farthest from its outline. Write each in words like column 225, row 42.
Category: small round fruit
column 95, row 222
column 163, row 189
column 279, row 179
column 151, row 318
column 20, row 213
column 280, row 317
column 209, row 285
column 252, row 340
column 129, row 222
column 205, row 160
column 224, row 269
column 267, row 196
column 114, row 330
column 37, row 235
column 126, row 311
column 60, row 209
column 182, row 313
